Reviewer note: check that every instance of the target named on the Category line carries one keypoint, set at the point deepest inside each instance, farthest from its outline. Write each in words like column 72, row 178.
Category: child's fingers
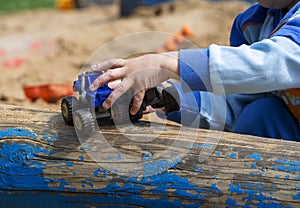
column 109, row 64
column 109, row 75
column 114, row 84
column 137, row 102
column 149, row 109
column 116, row 93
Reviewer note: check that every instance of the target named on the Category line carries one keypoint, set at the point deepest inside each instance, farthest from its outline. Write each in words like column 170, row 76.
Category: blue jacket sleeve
column 194, row 70
column 264, row 66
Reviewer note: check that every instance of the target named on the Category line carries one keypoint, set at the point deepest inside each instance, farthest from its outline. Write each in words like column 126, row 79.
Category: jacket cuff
column 194, row 70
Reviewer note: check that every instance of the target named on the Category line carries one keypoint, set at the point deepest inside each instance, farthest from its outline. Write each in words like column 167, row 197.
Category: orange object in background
column 186, row 31
column 50, row 93
column 175, row 41
column 170, row 44
column 32, row 92
column 65, row 4
column 178, row 38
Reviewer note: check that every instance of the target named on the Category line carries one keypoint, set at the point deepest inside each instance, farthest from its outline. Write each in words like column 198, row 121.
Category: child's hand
column 140, row 73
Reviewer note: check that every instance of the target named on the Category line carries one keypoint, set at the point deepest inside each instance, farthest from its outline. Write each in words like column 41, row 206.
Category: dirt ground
column 51, row 46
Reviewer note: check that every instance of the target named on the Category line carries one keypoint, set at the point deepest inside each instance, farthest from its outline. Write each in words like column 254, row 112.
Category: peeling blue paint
column 102, row 171
column 81, row 158
column 290, row 169
column 254, row 192
column 215, row 189
column 158, row 166
column 260, row 174
column 232, row 203
column 85, row 148
column 253, row 165
column 232, row 155
column 297, row 196
column 16, row 161
column 198, row 170
column 148, row 156
column 284, row 161
column 19, row 160
column 127, row 188
column 81, row 200
column 206, row 146
column 17, row 132
column 218, row 154
column 254, row 156
column 50, row 139
column 68, row 163
column 269, row 205
column 163, row 183
column 86, row 182
column 287, row 166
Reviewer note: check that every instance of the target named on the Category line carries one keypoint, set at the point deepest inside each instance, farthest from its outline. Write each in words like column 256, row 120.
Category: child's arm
column 263, row 66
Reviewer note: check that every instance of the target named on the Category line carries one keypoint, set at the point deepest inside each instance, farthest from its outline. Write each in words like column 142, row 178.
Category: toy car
column 83, row 112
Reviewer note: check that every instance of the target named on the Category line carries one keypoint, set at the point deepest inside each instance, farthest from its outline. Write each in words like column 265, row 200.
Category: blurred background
column 45, row 43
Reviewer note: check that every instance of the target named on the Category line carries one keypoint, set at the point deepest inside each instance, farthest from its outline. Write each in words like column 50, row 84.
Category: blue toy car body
column 86, row 111
column 94, row 98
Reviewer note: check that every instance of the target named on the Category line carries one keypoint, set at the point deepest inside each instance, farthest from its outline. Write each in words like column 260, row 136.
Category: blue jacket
column 263, row 56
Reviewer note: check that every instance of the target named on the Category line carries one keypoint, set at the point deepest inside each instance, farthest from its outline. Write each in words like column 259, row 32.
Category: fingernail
column 106, row 104
column 92, row 87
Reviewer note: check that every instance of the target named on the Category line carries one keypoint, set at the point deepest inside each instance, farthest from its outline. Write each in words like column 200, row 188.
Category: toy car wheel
column 67, row 104
column 120, row 111
column 171, row 99
column 84, row 122
column 137, row 116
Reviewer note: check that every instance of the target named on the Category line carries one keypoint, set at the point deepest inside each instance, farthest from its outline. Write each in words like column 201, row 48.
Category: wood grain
column 149, row 164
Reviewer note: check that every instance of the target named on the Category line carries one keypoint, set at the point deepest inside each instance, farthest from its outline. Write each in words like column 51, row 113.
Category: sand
column 50, row 46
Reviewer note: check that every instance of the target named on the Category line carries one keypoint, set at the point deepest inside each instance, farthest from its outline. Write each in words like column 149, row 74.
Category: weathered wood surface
column 44, row 164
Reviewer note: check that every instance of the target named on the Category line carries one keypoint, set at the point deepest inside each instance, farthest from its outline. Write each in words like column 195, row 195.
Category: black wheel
column 120, row 111
column 137, row 116
column 171, row 99
column 84, row 122
column 67, row 104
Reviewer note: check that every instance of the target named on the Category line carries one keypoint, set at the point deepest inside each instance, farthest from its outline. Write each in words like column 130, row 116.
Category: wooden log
column 43, row 163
